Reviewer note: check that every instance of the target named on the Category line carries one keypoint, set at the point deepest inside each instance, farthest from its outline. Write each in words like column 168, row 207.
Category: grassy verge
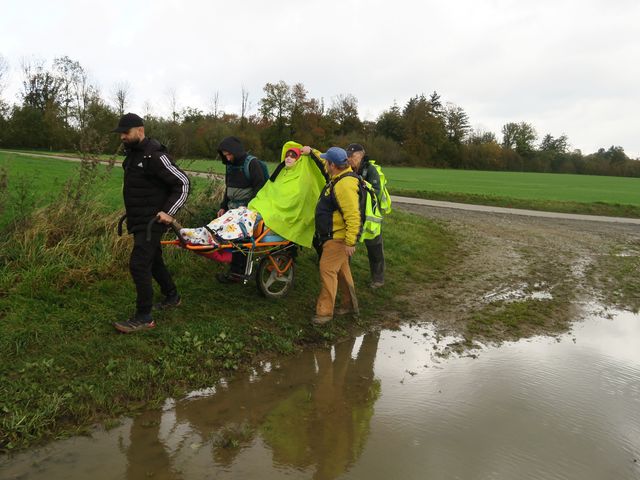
column 64, row 280
column 593, row 208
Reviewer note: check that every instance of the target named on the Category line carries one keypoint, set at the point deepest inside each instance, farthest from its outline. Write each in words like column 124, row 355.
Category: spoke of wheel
column 271, row 279
column 286, row 279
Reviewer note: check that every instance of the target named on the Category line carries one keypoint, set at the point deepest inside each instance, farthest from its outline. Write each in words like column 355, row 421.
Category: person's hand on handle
column 165, row 218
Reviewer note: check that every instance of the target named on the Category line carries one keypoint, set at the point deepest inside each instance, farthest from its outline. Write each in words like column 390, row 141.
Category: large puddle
column 385, row 406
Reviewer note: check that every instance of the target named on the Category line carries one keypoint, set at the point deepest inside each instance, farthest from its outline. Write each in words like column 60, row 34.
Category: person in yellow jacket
column 338, row 225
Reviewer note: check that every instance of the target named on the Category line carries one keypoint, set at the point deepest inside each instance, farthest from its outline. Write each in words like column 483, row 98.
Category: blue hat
column 335, row 155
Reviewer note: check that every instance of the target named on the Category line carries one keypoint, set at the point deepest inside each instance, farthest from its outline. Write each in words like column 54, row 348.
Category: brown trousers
column 335, row 274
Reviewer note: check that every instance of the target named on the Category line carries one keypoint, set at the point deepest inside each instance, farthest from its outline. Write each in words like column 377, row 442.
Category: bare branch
column 244, row 108
column 173, row 103
column 4, row 73
column 121, row 96
column 215, row 104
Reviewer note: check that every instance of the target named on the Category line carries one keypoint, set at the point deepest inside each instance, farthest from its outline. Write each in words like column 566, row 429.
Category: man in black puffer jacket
column 154, row 188
column 242, row 184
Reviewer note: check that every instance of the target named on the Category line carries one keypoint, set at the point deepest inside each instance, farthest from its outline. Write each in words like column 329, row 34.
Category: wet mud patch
column 518, row 277
column 617, row 276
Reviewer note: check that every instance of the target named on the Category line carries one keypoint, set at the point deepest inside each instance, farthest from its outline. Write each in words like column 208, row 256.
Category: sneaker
column 135, row 323
column 170, row 301
column 321, row 319
column 229, row 277
column 374, row 285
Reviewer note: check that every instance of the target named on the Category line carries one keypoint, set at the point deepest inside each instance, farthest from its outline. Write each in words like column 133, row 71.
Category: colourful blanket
column 235, row 224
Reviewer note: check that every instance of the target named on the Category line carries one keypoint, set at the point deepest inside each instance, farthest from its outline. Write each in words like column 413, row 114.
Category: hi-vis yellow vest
column 385, row 197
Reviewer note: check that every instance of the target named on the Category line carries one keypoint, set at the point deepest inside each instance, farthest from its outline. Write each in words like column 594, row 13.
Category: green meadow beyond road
column 417, row 201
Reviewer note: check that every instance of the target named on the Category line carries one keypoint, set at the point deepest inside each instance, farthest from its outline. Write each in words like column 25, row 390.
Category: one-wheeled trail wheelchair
column 270, row 255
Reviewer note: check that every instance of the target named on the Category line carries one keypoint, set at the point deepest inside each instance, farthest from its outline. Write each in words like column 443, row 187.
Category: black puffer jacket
column 239, row 189
column 152, row 183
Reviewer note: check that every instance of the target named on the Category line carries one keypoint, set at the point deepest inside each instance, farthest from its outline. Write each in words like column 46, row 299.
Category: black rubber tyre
column 270, row 284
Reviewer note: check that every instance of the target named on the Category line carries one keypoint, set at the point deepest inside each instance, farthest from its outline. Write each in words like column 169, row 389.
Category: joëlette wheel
column 275, row 275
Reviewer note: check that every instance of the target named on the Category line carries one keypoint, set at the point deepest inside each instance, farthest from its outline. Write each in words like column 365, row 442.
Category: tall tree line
column 60, row 109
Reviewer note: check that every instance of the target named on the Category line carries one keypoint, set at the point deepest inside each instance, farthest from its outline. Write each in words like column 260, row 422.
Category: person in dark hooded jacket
column 154, row 188
column 240, row 189
column 359, row 161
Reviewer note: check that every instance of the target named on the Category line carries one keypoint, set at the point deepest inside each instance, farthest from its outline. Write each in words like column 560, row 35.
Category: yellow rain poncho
column 288, row 205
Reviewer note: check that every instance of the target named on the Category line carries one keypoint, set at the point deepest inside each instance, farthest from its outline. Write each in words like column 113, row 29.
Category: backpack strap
column 332, row 184
column 245, row 166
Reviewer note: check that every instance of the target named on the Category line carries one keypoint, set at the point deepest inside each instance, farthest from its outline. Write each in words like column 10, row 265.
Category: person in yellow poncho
column 286, row 203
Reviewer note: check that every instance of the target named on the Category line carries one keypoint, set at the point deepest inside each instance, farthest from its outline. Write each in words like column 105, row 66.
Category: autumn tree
column 556, row 145
column 344, row 113
column 425, row 132
column 519, row 137
column 390, row 124
column 456, row 123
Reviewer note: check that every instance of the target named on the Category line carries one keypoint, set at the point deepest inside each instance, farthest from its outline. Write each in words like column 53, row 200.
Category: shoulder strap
column 245, row 167
column 348, row 174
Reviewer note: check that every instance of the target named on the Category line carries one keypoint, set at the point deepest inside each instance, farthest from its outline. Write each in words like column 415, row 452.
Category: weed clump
column 73, row 240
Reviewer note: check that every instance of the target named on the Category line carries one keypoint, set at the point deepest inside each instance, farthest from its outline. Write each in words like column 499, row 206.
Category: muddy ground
column 518, row 276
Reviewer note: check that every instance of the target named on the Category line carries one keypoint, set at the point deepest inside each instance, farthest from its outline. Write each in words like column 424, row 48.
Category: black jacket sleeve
column 174, row 178
column 320, row 166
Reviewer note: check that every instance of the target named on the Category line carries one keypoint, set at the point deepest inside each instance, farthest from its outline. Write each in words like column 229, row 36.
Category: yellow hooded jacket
column 345, row 219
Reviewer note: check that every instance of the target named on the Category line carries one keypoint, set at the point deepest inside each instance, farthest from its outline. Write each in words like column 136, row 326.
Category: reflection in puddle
column 388, row 405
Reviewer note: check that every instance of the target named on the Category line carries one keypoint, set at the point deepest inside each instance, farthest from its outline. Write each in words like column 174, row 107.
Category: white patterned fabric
column 231, row 226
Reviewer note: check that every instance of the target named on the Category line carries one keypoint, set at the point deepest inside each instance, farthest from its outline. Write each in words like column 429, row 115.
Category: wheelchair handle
column 174, row 225
column 120, row 222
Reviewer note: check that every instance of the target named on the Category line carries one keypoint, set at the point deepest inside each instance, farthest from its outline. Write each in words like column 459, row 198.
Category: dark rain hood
column 234, row 146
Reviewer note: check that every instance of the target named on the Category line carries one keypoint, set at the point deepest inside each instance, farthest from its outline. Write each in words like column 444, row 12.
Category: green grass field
column 477, row 185
column 36, row 181
column 513, row 185
column 520, row 185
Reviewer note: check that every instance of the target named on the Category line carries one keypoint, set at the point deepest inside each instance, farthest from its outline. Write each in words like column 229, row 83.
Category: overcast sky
column 565, row 66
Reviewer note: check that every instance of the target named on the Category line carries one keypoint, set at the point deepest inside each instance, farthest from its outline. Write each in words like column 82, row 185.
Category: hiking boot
column 229, row 277
column 170, row 301
column 375, row 285
column 321, row 319
column 136, row 323
column 346, row 311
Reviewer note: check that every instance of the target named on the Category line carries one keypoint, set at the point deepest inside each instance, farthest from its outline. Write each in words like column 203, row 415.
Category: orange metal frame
column 257, row 246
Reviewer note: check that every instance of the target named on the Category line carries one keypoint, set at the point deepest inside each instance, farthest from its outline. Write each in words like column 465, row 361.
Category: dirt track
column 511, row 258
